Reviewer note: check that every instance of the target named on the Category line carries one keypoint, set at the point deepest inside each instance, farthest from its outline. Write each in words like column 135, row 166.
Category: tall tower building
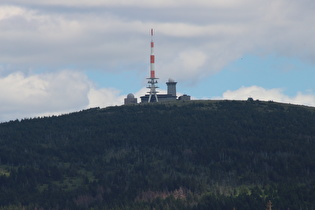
column 171, row 87
column 152, row 95
column 152, row 83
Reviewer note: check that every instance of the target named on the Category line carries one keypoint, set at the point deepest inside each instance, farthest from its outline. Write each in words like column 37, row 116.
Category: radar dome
column 171, row 80
column 130, row 95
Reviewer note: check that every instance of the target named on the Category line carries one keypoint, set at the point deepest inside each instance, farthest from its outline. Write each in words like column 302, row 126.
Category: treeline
column 189, row 155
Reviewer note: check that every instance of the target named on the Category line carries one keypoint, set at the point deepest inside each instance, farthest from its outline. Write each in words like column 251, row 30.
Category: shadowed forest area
column 180, row 155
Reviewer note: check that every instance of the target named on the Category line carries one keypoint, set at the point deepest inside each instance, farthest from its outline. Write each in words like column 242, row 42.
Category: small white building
column 130, row 99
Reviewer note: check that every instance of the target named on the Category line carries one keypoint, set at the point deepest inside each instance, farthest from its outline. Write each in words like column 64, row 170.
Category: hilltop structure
column 130, row 99
column 170, row 96
column 152, row 79
column 153, row 95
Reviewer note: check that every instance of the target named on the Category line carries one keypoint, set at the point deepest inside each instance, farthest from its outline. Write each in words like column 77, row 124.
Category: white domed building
column 130, row 99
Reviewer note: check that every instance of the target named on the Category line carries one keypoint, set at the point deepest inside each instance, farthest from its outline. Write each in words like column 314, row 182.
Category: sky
column 61, row 56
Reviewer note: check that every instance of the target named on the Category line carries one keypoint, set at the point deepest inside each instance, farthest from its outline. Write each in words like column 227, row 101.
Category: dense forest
column 180, row 155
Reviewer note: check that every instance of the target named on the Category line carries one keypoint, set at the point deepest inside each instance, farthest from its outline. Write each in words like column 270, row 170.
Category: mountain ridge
column 182, row 155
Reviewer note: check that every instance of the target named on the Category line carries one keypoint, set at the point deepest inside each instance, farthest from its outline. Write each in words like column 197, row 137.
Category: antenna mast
column 152, row 80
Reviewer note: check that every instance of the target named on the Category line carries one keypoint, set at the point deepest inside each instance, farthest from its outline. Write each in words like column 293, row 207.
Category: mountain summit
column 176, row 155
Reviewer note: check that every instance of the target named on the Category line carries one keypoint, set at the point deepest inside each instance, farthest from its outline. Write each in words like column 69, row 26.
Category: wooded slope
column 183, row 155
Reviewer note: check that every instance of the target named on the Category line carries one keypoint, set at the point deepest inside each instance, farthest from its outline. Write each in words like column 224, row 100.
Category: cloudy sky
column 59, row 56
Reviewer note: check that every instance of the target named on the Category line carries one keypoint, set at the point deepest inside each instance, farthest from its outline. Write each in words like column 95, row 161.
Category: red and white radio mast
column 152, row 80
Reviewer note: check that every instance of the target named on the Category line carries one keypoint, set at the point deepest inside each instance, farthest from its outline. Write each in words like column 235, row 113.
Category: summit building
column 153, row 95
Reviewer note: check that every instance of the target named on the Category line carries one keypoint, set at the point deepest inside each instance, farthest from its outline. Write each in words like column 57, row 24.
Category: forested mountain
column 181, row 155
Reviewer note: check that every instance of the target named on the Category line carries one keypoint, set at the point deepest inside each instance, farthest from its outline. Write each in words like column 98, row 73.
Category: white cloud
column 104, row 97
column 111, row 34
column 263, row 94
column 186, row 66
column 9, row 11
column 51, row 93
